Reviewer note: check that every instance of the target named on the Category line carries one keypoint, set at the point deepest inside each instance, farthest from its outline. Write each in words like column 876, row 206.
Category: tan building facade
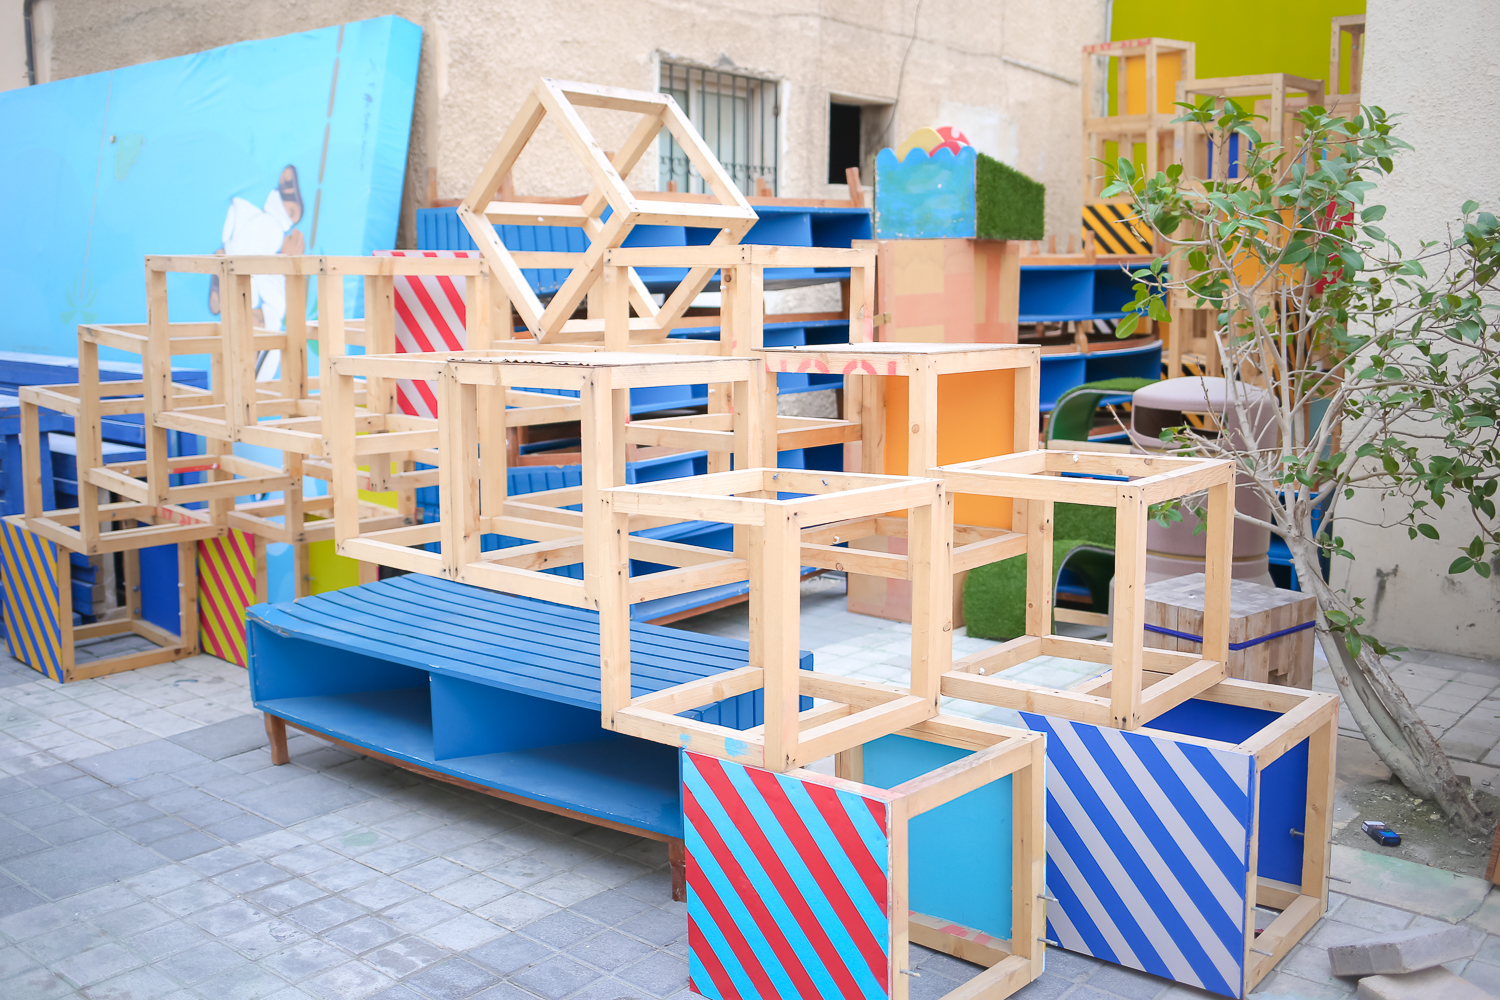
column 766, row 83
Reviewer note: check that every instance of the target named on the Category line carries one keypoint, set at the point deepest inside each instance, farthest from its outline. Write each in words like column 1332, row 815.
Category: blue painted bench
column 495, row 693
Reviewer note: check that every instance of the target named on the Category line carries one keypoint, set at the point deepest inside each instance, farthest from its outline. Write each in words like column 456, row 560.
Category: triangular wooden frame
column 730, row 213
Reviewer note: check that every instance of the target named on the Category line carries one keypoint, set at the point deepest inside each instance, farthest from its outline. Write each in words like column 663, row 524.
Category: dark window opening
column 843, row 140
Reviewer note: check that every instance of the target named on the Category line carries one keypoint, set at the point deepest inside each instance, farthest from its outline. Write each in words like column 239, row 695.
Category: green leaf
column 1127, row 325
column 1483, row 569
column 1461, row 565
column 1427, row 530
column 1375, row 213
column 1470, row 207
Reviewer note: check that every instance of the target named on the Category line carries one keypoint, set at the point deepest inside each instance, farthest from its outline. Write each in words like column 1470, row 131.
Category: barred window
column 739, row 118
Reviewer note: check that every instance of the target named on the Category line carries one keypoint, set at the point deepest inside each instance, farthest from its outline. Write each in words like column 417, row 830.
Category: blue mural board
column 925, row 197
column 256, row 147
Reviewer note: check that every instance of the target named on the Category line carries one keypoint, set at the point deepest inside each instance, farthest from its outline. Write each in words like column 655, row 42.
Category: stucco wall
column 478, row 59
column 1439, row 66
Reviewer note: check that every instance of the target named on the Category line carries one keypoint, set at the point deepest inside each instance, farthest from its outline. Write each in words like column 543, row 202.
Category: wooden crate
column 37, row 575
column 820, row 883
column 1146, row 71
column 987, row 387
column 725, row 210
column 1271, row 633
column 768, row 536
column 472, row 387
column 1172, row 836
column 1129, row 484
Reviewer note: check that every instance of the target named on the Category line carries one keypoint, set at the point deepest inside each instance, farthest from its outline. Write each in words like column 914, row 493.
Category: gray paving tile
column 516, row 909
column 86, row 864
column 510, row 953
column 70, row 830
column 158, row 827
column 43, row 919
column 225, row 739
column 187, row 845
column 128, row 814
column 101, row 900
column 404, row 956
column 555, row 978
column 562, row 930
column 137, row 984
column 16, row 843
column 609, row 951
column 43, row 815
column 259, row 940
column 420, row 913
column 40, row 984
column 350, row 981
column 117, row 767
column 304, row 960
column 199, row 962
column 213, row 812
column 293, row 801
column 242, row 982
column 166, row 939
column 226, row 918
column 16, row 898
column 659, row 926
column 346, row 875
column 658, row 973
column 325, row 913
column 97, row 964
column 183, row 800
column 283, row 897
column 251, row 877
column 362, row 935
column 192, row 898
column 132, row 919
column 454, row 979
column 432, row 874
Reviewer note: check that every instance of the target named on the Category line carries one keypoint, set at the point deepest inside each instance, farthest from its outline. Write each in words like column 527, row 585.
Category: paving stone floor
column 149, row 849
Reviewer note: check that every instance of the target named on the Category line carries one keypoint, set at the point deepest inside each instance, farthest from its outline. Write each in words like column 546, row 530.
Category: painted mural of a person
column 271, row 229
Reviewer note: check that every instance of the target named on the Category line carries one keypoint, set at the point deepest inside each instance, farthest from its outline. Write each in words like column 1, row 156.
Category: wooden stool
column 1270, row 631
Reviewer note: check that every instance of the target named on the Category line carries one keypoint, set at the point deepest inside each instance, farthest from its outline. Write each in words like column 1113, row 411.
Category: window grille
column 739, row 118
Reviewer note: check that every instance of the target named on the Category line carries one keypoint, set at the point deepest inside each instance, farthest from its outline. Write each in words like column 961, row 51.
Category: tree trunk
column 1382, row 711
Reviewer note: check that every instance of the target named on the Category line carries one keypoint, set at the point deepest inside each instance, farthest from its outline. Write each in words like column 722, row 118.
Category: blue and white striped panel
column 1148, row 843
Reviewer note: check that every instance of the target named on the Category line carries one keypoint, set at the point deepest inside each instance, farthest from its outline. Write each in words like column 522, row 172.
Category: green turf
column 1009, row 204
column 995, row 595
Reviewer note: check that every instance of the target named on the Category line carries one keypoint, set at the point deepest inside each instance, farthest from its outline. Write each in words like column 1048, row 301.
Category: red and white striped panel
column 429, row 317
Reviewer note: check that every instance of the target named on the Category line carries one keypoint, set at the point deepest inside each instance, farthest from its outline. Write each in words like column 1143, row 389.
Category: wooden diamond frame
column 729, row 212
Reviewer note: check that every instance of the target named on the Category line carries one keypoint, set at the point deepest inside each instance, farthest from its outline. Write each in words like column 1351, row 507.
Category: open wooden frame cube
column 768, row 537
column 857, row 930
column 152, row 504
column 862, row 365
column 473, row 387
column 1152, row 127
column 38, row 577
column 727, row 210
column 1269, row 754
column 1043, row 478
column 1192, row 142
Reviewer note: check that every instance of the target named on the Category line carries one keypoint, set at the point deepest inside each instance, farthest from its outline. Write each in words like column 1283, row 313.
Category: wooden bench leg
column 677, row 859
column 276, row 733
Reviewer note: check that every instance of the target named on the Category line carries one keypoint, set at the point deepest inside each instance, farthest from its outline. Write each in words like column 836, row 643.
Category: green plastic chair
column 1073, row 416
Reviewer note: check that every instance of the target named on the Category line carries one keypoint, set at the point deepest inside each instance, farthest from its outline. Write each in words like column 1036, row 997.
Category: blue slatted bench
column 485, row 690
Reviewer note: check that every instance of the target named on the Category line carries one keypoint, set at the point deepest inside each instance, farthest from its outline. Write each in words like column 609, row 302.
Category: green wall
column 1272, row 36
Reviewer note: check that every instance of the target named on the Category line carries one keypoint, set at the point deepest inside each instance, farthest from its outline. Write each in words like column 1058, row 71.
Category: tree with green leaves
column 1381, row 366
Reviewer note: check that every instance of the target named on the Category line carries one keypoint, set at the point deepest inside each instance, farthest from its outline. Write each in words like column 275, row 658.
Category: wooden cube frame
column 39, row 606
column 151, row 502
column 768, row 537
column 1043, row 478
column 471, row 471
column 737, row 813
column 1151, row 128
column 727, row 210
column 1262, row 822
column 864, row 366
column 1191, row 141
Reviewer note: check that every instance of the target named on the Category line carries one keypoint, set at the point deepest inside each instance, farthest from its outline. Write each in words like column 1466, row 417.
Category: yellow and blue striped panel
column 226, row 587
column 1116, row 228
column 33, row 605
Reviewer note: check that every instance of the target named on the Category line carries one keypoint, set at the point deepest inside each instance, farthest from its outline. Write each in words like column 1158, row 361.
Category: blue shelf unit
column 485, row 688
column 779, row 225
column 1061, row 372
column 1067, row 292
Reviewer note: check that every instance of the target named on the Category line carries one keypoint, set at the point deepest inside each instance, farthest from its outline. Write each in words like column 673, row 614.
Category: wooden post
column 1040, row 573
column 187, row 597
column 458, row 491
column 1217, row 571
column 930, row 547
column 598, row 433
column 1029, row 859
column 774, row 619
column 1127, row 653
column 276, row 734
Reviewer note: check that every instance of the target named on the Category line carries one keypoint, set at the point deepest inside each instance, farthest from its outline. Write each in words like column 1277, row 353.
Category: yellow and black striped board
column 1116, row 228
column 33, row 605
column 226, row 587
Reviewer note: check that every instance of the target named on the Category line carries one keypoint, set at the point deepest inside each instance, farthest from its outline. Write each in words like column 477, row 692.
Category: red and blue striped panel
column 788, row 885
column 429, row 317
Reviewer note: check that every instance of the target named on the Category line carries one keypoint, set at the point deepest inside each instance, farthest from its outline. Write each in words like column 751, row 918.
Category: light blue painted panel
column 959, row 858
column 925, row 197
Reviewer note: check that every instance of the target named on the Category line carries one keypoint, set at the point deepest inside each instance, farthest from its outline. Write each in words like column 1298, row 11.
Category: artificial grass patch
column 1083, row 539
column 1009, row 205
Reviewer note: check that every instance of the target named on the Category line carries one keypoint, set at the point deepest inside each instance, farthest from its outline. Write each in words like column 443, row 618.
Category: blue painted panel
column 925, row 197
column 1134, row 362
column 975, row 827
column 1049, row 294
column 159, row 593
column 1059, row 373
column 781, row 229
column 280, row 659
column 470, row 719
column 1113, row 288
column 1283, row 785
